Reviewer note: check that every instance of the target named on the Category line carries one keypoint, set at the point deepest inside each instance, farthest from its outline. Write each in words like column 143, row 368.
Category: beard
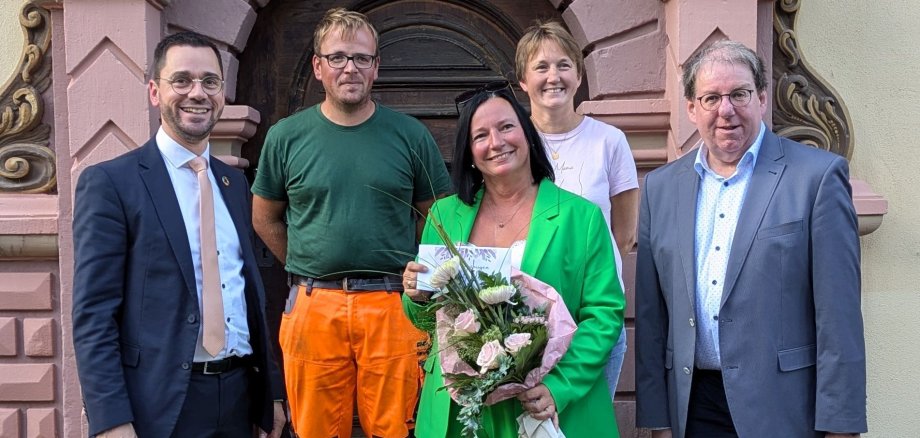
column 190, row 131
column 350, row 96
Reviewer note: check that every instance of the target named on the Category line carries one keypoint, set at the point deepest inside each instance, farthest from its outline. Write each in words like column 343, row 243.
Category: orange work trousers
column 340, row 348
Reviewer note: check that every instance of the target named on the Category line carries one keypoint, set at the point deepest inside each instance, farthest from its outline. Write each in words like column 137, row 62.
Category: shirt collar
column 701, row 164
column 175, row 154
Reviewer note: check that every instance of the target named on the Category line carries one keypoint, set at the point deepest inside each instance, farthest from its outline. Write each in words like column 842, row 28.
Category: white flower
column 466, row 323
column 489, row 355
column 444, row 273
column 530, row 319
column 516, row 341
column 497, row 294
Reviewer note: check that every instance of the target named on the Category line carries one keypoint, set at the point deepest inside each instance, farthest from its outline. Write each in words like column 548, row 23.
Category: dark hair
column 187, row 38
column 467, row 179
column 727, row 51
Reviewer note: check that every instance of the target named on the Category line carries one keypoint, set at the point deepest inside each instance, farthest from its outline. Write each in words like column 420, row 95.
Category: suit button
column 687, row 371
column 692, row 323
column 186, row 366
column 191, row 318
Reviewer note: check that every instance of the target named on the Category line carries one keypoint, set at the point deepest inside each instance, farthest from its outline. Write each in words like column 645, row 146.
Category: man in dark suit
column 748, row 315
column 140, row 271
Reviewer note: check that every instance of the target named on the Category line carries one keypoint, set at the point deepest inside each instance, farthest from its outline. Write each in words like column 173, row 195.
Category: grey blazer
column 790, row 326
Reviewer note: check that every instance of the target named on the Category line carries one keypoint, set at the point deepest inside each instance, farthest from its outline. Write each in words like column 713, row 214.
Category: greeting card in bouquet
column 479, row 258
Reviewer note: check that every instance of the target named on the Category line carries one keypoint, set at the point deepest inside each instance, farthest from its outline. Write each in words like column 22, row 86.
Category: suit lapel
column 159, row 187
column 688, row 186
column 542, row 226
column 767, row 172
column 465, row 216
column 234, row 205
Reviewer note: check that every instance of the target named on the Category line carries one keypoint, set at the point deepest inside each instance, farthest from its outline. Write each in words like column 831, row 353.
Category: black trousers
column 708, row 415
column 217, row 406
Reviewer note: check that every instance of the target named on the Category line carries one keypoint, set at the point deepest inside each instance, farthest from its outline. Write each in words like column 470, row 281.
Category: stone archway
column 101, row 109
column 636, row 102
column 109, row 46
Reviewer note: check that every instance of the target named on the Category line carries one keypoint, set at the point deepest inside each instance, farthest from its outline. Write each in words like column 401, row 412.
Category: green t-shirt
column 339, row 183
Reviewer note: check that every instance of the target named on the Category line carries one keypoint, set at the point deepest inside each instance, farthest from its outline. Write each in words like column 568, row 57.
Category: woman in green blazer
column 505, row 196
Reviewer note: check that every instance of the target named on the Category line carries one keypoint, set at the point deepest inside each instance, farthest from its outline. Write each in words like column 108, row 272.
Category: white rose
column 444, row 273
column 489, row 355
column 516, row 341
column 466, row 323
column 497, row 294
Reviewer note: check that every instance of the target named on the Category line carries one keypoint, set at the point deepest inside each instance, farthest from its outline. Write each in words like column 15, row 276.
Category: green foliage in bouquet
column 472, row 390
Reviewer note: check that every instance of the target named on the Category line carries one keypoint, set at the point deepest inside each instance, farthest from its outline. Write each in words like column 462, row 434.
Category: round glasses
column 340, row 60
column 738, row 98
column 183, row 85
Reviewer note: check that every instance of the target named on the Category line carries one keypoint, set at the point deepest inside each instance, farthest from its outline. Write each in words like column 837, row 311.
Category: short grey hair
column 727, row 51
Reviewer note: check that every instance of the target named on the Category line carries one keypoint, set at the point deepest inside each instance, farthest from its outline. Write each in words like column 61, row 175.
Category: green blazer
column 568, row 247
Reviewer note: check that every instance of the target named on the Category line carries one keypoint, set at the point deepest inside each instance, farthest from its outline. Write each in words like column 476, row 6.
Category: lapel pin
column 225, row 180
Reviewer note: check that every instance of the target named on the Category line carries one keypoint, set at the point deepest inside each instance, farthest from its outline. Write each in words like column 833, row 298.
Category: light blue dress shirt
column 717, row 210
column 229, row 253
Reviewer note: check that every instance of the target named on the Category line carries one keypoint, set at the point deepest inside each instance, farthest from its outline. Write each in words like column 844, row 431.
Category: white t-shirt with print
column 594, row 161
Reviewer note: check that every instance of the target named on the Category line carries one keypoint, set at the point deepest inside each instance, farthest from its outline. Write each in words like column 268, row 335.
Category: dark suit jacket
column 790, row 326
column 135, row 302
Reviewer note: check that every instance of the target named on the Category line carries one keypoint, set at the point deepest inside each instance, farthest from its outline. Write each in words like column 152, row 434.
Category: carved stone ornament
column 806, row 108
column 27, row 164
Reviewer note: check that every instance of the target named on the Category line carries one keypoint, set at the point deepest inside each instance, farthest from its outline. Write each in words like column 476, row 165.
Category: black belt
column 389, row 283
column 221, row 366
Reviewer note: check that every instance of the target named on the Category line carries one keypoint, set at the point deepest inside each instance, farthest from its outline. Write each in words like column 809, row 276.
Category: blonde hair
column 539, row 33
column 348, row 22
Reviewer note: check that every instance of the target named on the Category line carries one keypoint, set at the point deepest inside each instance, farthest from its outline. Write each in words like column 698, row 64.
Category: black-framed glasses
column 738, row 98
column 183, row 85
column 340, row 60
column 491, row 88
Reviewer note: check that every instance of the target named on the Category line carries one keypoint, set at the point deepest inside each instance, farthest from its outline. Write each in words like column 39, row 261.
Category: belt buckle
column 207, row 372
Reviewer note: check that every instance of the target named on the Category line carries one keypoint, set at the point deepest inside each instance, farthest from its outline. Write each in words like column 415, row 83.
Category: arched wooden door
column 430, row 52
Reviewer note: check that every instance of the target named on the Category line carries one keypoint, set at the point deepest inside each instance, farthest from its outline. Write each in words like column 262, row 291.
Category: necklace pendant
column 555, row 155
column 501, row 225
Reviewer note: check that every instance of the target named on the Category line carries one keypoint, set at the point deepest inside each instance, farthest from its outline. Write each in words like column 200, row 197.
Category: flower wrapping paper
column 560, row 328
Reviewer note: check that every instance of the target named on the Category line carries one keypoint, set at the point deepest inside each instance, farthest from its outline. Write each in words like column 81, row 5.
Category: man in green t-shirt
column 334, row 193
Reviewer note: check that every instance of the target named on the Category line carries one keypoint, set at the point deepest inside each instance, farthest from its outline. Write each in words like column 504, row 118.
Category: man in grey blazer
column 748, row 318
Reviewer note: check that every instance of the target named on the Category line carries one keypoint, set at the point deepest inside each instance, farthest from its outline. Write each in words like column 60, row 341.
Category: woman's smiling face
column 498, row 143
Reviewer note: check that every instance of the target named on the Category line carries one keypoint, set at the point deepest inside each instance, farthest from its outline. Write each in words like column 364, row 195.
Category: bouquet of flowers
column 497, row 338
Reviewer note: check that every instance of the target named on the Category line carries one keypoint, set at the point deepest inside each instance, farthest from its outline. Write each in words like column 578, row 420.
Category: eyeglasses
column 183, row 85
column 340, row 60
column 739, row 98
column 490, row 88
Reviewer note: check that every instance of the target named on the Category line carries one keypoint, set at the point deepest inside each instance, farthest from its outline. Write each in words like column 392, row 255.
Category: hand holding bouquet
column 497, row 338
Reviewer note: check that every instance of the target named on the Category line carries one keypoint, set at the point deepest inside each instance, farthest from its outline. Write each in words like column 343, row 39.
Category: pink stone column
column 101, row 111
column 691, row 24
column 236, row 125
column 625, row 71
